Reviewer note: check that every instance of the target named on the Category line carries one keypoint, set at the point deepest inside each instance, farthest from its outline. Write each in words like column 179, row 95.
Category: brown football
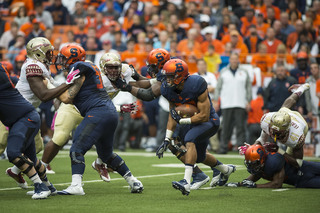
column 187, row 110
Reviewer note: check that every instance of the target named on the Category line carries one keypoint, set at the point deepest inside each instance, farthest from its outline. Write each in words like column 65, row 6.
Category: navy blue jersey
column 274, row 163
column 12, row 104
column 160, row 77
column 92, row 93
column 193, row 87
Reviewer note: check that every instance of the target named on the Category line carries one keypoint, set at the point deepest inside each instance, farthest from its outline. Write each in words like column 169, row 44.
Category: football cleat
column 41, row 191
column 18, row 178
column 102, row 170
column 49, row 170
column 224, row 177
column 199, row 180
column 72, row 190
column 215, row 177
column 182, row 185
column 52, row 189
column 135, row 186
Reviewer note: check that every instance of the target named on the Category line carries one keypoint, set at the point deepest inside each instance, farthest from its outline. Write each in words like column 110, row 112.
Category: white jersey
column 30, row 68
column 126, row 73
column 298, row 129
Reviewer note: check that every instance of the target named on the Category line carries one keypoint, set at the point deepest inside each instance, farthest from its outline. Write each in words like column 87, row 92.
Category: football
column 186, row 110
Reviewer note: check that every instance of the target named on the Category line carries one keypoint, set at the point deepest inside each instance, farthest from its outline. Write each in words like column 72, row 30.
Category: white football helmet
column 40, row 49
column 110, row 65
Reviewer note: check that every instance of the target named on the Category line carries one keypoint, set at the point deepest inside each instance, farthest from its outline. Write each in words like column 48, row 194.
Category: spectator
column 262, row 60
column 106, row 48
column 293, row 17
column 136, row 5
column 277, row 90
column 130, row 56
column 36, row 31
column 21, row 17
column 208, row 76
column 223, row 30
column 81, row 31
column 215, row 7
column 248, row 20
column 101, row 27
column 163, row 42
column 91, row 47
column 238, row 46
column 157, row 25
column 304, row 39
column 209, row 40
column 312, row 95
column 255, row 114
column 279, row 34
column 227, row 37
column 16, row 4
column 292, row 8
column 262, row 27
column 293, row 37
column 43, row 15
column 10, row 35
column 117, row 44
column 127, row 20
column 113, row 28
column 79, row 12
column 286, row 28
column 268, row 4
column 14, row 50
column 108, row 11
column 27, row 27
column 234, row 90
column 225, row 56
column 283, row 58
column 270, row 18
column 302, row 71
column 240, row 11
column 271, row 42
column 212, row 60
column 253, row 39
column 91, row 20
column 136, row 27
column 181, row 33
column 140, row 46
column 185, row 22
column 60, row 13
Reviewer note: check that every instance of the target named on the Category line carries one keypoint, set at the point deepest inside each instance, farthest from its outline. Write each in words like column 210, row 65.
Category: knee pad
column 21, row 161
column 115, row 162
column 76, row 158
column 38, row 167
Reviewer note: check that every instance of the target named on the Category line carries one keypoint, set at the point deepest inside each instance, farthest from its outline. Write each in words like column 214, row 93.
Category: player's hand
column 248, row 183
column 122, row 85
column 162, row 148
column 132, row 108
column 243, row 149
column 72, row 76
column 175, row 115
column 271, row 147
column 135, row 75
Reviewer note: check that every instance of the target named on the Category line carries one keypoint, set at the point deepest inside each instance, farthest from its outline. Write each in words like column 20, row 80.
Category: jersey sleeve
column 34, row 70
column 201, row 85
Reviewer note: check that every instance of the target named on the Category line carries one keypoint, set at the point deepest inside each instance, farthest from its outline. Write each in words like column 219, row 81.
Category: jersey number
column 99, row 85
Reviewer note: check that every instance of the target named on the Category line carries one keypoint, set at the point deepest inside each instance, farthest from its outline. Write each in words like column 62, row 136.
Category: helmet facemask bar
column 254, row 167
column 278, row 135
column 152, row 70
column 61, row 63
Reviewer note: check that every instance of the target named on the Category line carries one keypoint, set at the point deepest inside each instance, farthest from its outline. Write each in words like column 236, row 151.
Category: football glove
column 122, row 85
column 162, row 148
column 248, row 183
column 233, row 184
column 243, row 149
column 72, row 76
column 175, row 115
column 135, row 75
column 271, row 147
column 132, row 108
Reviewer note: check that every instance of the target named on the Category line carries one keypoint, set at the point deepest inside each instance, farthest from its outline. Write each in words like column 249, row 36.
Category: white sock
column 129, row 178
column 222, row 168
column 15, row 170
column 35, row 178
column 76, row 179
column 99, row 161
column 188, row 172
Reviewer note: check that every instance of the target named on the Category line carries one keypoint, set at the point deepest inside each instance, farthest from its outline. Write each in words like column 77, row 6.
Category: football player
column 24, row 122
column 68, row 116
column 99, row 122
column 286, row 127
column 148, row 90
column 34, row 83
column 181, row 88
column 272, row 166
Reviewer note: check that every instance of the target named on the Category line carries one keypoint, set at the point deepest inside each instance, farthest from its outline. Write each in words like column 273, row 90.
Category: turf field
column 158, row 195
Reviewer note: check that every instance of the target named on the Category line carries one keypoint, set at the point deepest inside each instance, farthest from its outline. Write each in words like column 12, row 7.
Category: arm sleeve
column 33, row 70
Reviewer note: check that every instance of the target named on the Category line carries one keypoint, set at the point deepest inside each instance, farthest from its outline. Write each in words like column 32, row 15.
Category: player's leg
column 226, row 132
column 3, row 137
column 310, row 172
column 21, row 151
column 67, row 119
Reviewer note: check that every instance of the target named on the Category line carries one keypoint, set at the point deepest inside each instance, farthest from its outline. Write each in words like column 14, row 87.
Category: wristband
column 169, row 133
column 185, row 121
column 118, row 108
column 153, row 81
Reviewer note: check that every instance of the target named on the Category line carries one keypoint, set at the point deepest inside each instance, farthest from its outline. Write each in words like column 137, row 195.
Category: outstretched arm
column 68, row 96
column 298, row 90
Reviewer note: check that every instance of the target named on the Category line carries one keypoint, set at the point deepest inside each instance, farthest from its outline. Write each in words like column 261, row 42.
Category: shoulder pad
column 33, row 70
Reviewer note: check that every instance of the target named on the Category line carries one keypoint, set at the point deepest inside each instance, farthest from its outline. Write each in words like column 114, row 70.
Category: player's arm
column 171, row 124
column 293, row 98
column 262, row 139
column 204, row 109
column 142, row 83
column 39, row 88
column 68, row 96
column 277, row 180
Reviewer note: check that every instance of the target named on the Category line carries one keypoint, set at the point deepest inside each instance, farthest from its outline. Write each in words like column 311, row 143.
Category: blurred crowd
column 277, row 42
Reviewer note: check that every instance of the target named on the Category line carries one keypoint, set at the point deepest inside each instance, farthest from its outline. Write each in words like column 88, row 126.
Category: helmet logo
column 179, row 67
column 160, row 57
column 260, row 152
column 74, row 52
